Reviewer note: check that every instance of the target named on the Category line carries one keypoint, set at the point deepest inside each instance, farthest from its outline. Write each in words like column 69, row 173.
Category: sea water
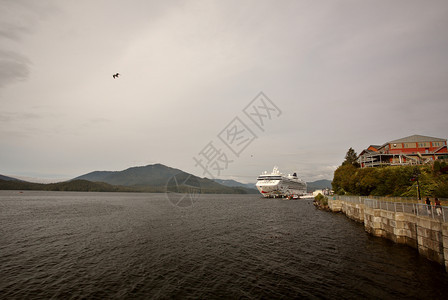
column 136, row 245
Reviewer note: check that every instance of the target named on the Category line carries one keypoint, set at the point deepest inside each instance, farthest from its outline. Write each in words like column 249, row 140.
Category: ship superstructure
column 275, row 184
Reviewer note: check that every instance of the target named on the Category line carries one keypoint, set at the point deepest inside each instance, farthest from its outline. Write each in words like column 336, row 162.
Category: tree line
column 81, row 185
column 396, row 181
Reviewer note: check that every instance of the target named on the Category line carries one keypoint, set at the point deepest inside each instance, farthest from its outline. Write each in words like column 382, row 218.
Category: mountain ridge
column 158, row 175
column 234, row 183
column 149, row 178
column 318, row 185
column 8, row 178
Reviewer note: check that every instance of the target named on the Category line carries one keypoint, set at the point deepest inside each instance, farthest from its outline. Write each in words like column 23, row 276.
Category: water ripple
column 111, row 245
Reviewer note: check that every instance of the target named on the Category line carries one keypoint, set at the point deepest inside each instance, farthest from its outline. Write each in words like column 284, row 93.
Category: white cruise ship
column 276, row 184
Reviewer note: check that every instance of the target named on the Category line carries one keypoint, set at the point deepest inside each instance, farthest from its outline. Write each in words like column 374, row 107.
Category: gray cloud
column 13, row 67
column 19, row 19
column 344, row 73
column 12, row 31
column 18, row 117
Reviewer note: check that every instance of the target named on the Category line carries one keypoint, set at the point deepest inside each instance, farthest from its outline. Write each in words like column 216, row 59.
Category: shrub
column 321, row 200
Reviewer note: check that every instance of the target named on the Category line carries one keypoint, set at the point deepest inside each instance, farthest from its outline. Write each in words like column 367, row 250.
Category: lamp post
column 415, row 178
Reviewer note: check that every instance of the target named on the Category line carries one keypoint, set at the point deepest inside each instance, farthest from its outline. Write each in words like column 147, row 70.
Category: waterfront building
column 411, row 150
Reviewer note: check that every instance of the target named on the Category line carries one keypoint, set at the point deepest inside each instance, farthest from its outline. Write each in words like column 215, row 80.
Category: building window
column 423, row 145
column 438, row 144
column 396, row 146
column 410, row 145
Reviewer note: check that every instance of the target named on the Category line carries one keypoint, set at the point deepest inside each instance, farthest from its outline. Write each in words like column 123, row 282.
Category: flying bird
column 115, row 75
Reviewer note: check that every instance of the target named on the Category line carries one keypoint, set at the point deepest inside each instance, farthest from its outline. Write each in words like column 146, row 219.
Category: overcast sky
column 340, row 74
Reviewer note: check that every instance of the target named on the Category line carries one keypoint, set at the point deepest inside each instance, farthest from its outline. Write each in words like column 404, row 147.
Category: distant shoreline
column 88, row 186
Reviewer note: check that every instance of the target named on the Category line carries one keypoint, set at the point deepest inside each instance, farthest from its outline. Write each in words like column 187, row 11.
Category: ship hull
column 276, row 185
column 281, row 189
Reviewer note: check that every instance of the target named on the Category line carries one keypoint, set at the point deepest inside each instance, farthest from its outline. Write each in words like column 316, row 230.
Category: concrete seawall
column 404, row 223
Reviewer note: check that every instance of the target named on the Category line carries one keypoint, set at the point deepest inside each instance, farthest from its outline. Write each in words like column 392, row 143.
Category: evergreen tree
column 351, row 158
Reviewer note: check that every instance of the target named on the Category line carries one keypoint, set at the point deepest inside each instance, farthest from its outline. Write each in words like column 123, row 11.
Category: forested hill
column 154, row 175
column 89, row 186
column 158, row 175
column 7, row 178
column 318, row 185
column 234, row 183
column 392, row 180
column 74, row 185
column 151, row 178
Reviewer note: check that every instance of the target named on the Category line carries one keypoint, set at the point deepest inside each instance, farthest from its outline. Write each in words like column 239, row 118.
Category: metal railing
column 360, row 199
column 434, row 212
column 352, row 199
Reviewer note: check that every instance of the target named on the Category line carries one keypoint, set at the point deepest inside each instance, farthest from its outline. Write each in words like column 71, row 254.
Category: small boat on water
column 277, row 185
